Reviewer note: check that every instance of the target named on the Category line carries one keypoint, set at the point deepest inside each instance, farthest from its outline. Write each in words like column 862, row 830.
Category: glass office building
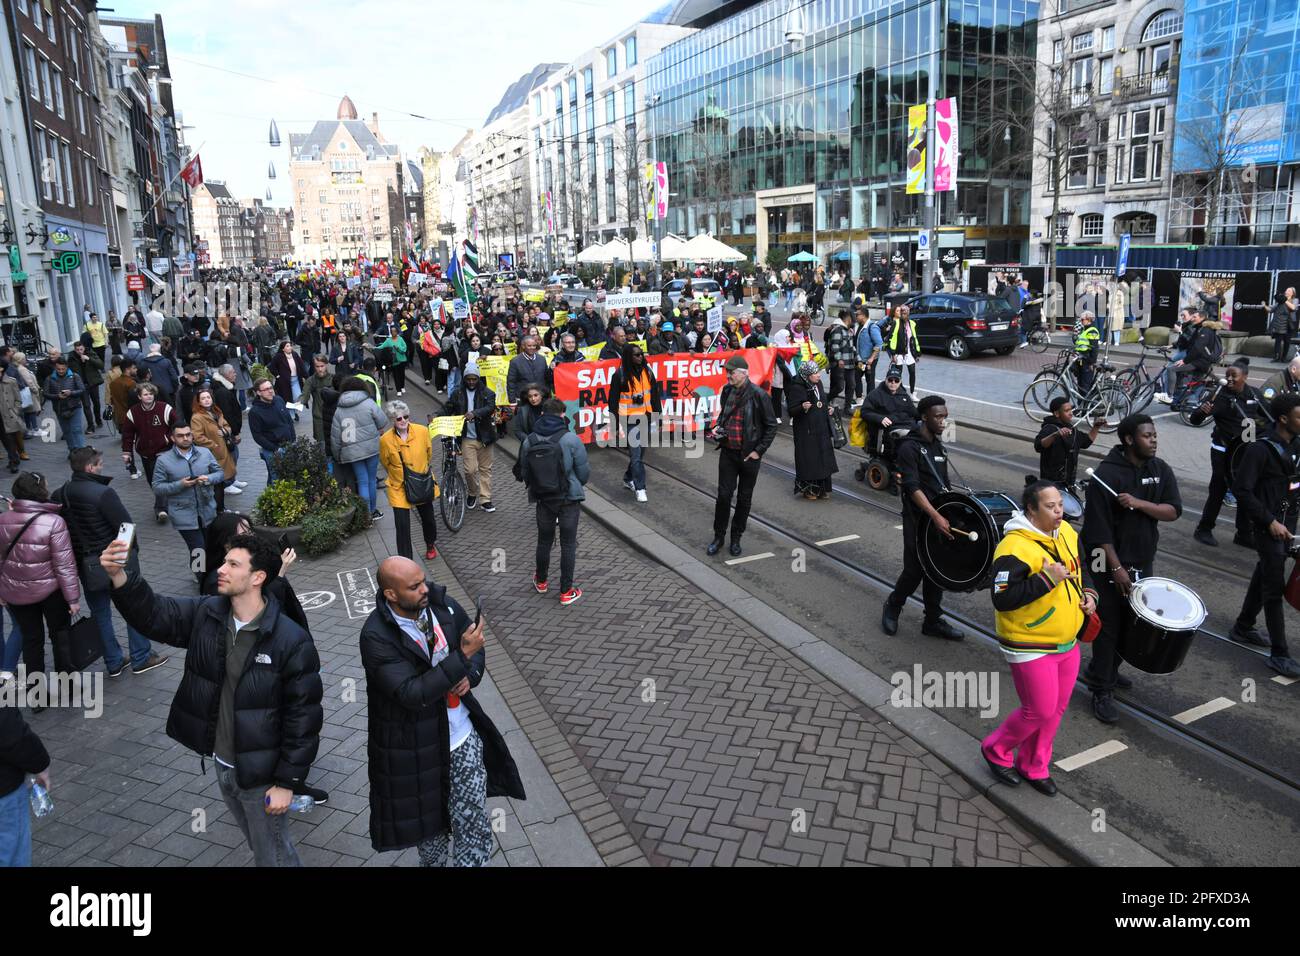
column 769, row 143
column 1238, row 122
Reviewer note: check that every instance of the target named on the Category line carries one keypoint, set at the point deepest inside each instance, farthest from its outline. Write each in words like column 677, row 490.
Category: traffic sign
column 923, row 243
column 922, row 255
column 1124, row 242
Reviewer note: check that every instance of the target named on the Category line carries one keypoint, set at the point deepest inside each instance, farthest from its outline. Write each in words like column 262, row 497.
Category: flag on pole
column 470, row 262
column 456, row 276
column 193, row 172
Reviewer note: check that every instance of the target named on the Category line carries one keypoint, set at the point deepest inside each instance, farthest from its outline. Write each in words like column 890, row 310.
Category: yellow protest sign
column 511, row 349
column 561, row 318
column 535, row 295
column 591, row 352
column 494, row 368
column 447, row 426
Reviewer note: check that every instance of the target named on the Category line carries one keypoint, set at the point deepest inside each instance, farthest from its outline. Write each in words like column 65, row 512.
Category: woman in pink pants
column 1041, row 605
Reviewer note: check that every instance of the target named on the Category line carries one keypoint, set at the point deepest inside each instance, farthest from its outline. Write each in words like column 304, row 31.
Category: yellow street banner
column 916, row 118
column 447, row 426
column 534, row 295
column 493, row 368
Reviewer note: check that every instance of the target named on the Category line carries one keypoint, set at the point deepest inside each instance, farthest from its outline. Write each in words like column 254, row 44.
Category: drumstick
column 969, row 535
column 1091, row 473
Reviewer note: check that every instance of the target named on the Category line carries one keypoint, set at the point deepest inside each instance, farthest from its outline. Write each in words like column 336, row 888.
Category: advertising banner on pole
column 916, row 149
column 945, row 145
column 661, row 190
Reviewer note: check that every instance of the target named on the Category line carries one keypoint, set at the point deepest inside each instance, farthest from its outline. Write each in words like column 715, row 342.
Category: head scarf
column 808, row 369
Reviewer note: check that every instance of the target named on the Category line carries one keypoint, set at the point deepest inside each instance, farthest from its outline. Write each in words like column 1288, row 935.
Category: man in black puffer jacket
column 434, row 755
column 94, row 514
column 250, row 696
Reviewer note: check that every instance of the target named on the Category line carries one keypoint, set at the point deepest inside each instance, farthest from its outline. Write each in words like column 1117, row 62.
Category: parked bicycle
column 1138, row 381
column 1105, row 399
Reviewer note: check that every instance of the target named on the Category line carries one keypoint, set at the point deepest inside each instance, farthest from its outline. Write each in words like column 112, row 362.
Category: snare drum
column 1070, row 503
column 960, row 564
column 1164, row 617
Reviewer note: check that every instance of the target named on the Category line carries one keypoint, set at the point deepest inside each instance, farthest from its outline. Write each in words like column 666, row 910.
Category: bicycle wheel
column 1038, row 396
column 1191, row 402
column 1040, row 340
column 453, row 499
column 1109, row 402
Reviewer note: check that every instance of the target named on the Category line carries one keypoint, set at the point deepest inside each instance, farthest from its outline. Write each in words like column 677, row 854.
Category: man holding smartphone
column 434, row 755
column 186, row 476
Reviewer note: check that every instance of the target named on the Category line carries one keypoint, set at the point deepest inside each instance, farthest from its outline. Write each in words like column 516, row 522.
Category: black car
column 960, row 324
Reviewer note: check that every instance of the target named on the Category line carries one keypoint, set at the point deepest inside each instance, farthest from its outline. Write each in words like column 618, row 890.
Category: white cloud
column 448, row 61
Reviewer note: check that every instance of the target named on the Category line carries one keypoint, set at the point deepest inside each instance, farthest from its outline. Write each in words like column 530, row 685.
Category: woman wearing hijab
column 814, row 452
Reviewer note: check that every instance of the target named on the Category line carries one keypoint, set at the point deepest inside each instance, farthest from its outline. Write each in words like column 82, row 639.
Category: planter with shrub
column 306, row 504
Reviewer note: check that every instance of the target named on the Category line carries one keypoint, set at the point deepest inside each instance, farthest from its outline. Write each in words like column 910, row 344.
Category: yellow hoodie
column 1034, row 613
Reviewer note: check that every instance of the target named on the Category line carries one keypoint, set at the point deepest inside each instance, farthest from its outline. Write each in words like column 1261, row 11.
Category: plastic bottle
column 301, row 803
column 42, row 805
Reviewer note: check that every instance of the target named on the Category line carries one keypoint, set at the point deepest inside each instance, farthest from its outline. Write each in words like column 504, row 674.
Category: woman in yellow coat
column 409, row 444
column 213, row 433
column 1041, row 605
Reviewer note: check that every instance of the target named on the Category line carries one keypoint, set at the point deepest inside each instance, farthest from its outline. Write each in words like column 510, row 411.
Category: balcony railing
column 1147, row 84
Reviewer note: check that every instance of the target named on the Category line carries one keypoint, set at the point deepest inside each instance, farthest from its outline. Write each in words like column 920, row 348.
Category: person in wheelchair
column 886, row 409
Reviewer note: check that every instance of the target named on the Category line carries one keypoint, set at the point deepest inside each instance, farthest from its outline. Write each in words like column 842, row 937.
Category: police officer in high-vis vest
column 1087, row 343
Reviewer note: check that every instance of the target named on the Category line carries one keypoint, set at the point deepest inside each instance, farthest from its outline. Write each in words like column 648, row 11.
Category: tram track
column 1142, row 712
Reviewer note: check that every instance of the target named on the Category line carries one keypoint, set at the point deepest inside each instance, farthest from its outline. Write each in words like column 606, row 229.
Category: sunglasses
column 401, row 418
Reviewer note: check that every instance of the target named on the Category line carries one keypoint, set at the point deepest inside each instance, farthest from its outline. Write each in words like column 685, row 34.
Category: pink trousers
column 1044, row 686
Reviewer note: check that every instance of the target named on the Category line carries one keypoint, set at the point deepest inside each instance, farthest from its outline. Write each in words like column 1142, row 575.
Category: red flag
column 193, row 172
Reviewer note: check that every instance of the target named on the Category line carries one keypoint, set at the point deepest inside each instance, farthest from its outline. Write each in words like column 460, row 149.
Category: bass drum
column 1071, row 503
column 962, row 564
column 1164, row 618
column 1234, row 463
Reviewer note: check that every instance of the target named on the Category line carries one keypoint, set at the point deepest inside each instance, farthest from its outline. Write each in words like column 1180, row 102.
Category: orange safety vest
column 327, row 323
column 635, row 399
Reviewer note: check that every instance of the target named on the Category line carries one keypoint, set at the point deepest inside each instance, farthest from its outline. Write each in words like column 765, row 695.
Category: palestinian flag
column 470, row 262
column 456, row 276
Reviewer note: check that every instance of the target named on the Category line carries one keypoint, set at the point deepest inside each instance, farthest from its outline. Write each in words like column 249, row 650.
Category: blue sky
column 448, row 61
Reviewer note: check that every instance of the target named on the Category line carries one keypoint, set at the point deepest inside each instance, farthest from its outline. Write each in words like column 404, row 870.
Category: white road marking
column 1091, row 755
column 358, row 590
column 315, row 600
column 1204, row 710
column 840, row 540
column 752, row 557
column 980, row 401
column 1285, row 681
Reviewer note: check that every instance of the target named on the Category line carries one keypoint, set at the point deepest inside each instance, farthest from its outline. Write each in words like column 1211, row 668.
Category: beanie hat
column 735, row 362
column 471, row 368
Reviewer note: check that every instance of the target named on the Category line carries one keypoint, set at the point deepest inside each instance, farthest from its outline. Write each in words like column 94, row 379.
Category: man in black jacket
column 477, row 403
column 1058, row 443
column 744, row 429
column 21, row 753
column 1120, row 532
column 269, row 421
column 889, row 406
column 923, row 467
column 1265, row 486
column 94, row 514
column 1238, row 411
column 434, row 755
column 250, row 696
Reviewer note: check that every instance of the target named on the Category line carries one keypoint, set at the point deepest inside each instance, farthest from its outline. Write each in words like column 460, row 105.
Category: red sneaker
column 539, row 586
column 571, row 595
column 430, row 554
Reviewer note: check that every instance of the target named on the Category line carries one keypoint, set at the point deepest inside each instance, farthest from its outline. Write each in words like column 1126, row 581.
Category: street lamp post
column 655, row 227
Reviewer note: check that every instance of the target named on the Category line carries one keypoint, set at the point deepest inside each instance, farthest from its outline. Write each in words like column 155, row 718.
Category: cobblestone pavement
column 127, row 795
column 714, row 744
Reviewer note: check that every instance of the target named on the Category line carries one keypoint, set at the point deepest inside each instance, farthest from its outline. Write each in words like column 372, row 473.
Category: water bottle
column 301, row 803
column 42, row 805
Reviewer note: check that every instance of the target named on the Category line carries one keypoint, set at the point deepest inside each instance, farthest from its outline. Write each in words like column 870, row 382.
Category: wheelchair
column 879, row 469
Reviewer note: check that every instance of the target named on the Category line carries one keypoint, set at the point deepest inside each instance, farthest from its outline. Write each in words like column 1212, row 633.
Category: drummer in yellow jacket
column 1040, row 604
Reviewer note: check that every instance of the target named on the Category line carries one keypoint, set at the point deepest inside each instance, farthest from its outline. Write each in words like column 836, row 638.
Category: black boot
column 889, row 619
column 735, row 546
column 714, row 546
column 942, row 628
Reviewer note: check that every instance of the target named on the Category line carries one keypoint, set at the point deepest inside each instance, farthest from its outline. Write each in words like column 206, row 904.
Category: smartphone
column 478, row 610
column 126, row 532
column 282, row 543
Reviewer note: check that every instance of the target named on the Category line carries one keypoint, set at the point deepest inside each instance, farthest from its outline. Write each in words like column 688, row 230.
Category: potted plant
column 306, row 504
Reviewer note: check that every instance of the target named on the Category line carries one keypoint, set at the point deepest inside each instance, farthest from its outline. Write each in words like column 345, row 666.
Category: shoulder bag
column 417, row 485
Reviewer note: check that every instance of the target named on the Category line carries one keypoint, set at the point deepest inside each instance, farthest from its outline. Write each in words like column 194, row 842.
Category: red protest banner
column 691, row 384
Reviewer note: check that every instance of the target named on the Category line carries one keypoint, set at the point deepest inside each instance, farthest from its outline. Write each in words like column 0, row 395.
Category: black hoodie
column 1265, row 481
column 923, row 465
column 1054, row 460
column 1133, row 535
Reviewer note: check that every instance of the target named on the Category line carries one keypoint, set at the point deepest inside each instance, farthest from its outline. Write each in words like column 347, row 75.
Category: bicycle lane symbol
column 358, row 589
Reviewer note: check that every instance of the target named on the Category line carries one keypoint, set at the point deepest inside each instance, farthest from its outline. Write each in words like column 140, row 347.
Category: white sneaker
column 1024, row 345
column 778, row 421
column 640, row 495
column 234, row 490
column 627, row 483
column 1163, row 399
column 242, row 484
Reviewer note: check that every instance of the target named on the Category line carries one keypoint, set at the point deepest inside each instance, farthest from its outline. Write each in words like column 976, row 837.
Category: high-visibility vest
column 1087, row 340
column 635, row 399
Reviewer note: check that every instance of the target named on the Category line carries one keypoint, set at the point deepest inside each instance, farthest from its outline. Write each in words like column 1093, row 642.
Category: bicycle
column 1038, row 337
column 1105, row 399
column 454, row 491
column 1201, row 388
column 1140, row 384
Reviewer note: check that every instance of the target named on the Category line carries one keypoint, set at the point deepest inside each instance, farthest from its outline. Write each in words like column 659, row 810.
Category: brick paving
column 127, row 795
column 743, row 754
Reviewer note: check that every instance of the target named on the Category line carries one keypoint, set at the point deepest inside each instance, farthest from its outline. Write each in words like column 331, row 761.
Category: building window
column 64, row 162
column 51, row 30
column 629, row 104
column 1058, row 51
column 1080, row 81
column 611, row 61
column 47, row 93
column 38, row 19
column 573, row 89
column 1159, row 120
column 74, row 55
column 1092, row 225
column 87, row 168
column 1139, row 146
column 29, row 62
column 47, row 172
column 1077, row 170
column 321, row 196
column 1081, row 43
column 1099, row 169
column 1157, row 159
column 1119, row 164
column 56, row 75
column 1107, row 39
column 629, row 51
column 1167, row 24
column 588, row 80
column 1106, row 76
column 537, row 104
column 1121, row 126
column 609, row 107
column 22, row 6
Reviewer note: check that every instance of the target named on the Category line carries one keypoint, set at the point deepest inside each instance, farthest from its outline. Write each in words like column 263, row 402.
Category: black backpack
column 547, row 478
